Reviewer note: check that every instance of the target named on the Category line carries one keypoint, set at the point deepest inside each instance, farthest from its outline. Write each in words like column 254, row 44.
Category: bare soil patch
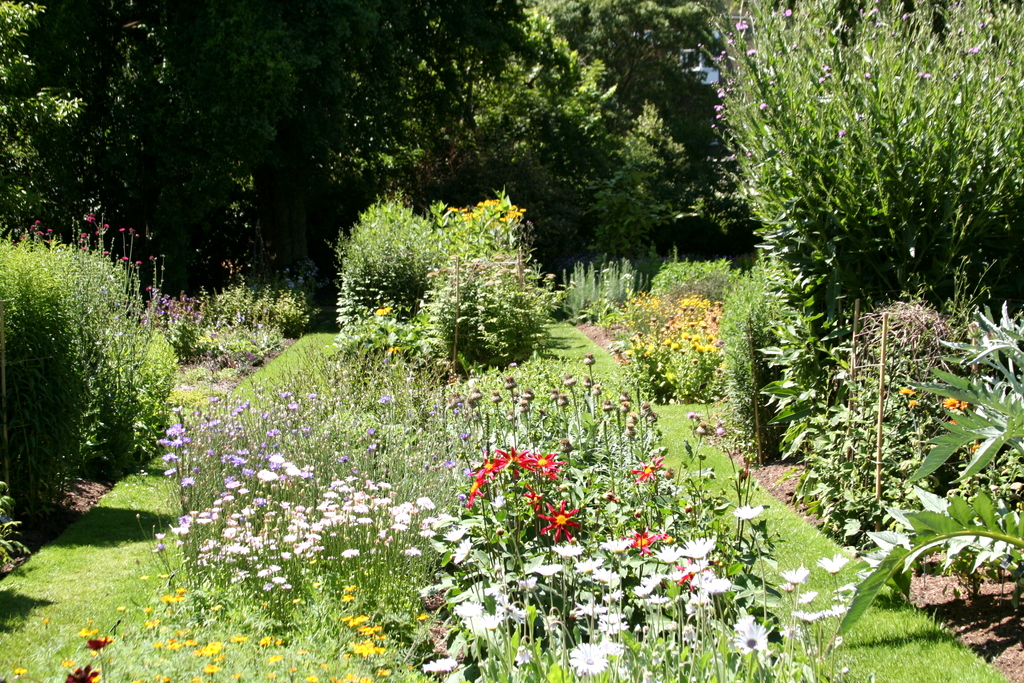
column 602, row 336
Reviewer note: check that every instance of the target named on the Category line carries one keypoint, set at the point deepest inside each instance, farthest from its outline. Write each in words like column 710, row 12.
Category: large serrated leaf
column 987, row 512
column 930, row 501
column 927, row 523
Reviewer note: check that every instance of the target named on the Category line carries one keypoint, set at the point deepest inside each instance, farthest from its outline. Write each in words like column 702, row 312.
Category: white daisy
column 750, row 636
column 455, row 534
column 698, row 549
column 469, row 609
column 588, row 660
column 833, row 565
column 604, row 575
column 747, row 512
column 568, row 550
column 617, row 546
column 712, row 584
column 587, row 566
column 442, row 665
column 796, row 576
column 462, row 552
column 807, row 598
column 612, row 624
column 670, row 554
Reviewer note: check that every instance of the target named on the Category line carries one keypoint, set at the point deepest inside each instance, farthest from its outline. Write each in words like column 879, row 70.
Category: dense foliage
column 74, row 344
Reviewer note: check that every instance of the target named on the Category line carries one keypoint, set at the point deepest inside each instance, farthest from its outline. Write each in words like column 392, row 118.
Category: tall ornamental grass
column 86, row 381
column 881, row 150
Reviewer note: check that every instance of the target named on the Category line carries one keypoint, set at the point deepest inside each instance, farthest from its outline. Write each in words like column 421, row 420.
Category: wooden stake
column 881, row 412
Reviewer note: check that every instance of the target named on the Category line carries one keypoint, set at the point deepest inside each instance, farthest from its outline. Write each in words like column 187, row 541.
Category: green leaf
column 987, row 512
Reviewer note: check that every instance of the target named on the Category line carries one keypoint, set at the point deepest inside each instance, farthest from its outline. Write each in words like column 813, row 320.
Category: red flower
column 523, row 459
column 647, row 472
column 546, row 465
column 86, row 675
column 644, row 539
column 534, row 498
column 561, row 521
column 99, row 643
column 474, row 491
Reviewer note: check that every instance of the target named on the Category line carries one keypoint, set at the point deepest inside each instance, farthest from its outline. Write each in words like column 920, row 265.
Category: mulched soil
column 35, row 533
column 988, row 623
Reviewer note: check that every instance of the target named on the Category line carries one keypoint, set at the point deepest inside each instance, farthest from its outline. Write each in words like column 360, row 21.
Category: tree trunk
column 282, row 204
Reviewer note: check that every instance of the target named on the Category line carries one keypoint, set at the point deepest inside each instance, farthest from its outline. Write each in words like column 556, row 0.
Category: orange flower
column 955, row 404
column 907, row 391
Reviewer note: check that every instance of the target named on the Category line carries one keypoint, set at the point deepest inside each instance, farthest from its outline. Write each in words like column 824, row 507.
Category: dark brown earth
column 987, row 623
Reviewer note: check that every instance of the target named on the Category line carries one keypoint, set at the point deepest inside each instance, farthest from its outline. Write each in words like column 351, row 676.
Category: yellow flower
column 275, row 659
column 349, row 589
column 239, row 639
column 172, row 598
column 266, row 640
column 211, row 669
column 907, row 391
column 348, row 598
column 86, row 633
column 384, row 673
column 312, row 679
column 209, row 650
column 422, row 617
column 20, row 671
column 152, row 624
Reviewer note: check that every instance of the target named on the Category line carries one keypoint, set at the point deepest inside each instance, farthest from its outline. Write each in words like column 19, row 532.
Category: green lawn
column 86, row 574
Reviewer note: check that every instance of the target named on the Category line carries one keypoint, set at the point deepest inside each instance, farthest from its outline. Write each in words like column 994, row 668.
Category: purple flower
column 170, row 457
column 274, row 433
column 188, row 481
column 293, row 406
column 842, row 133
column 260, row 502
column 742, row 25
column 385, row 399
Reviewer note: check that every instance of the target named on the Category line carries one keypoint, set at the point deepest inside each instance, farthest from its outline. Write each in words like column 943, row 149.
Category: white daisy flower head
column 462, row 552
column 604, row 575
column 587, row 566
column 617, row 546
column 796, row 576
column 750, row 636
column 698, row 549
column 568, row 550
column 834, row 564
column 491, row 621
column 443, row 665
column 712, row 584
column 612, row 624
column 591, row 609
column 455, row 535
column 670, row 554
column 469, row 609
column 588, row 659
column 747, row 512
column 807, row 598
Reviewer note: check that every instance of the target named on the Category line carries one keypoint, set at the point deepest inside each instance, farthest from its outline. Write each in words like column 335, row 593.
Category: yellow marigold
column 87, row 633
column 955, row 404
column 209, row 650
column 211, row 669
column 68, row 663
column 907, row 391
column 275, row 659
column 266, row 640
column 423, row 617
column 238, row 639
column 367, row 649
column 348, row 598
column 172, row 598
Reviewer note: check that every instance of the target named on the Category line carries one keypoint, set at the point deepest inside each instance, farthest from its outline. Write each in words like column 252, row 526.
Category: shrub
column 81, row 368
column 709, row 279
column 596, row 290
column 746, row 326
column 673, row 352
column 269, row 304
column 385, row 260
column 488, row 312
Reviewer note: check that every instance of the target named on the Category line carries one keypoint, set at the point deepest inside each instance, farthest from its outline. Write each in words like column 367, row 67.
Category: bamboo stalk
column 881, row 411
